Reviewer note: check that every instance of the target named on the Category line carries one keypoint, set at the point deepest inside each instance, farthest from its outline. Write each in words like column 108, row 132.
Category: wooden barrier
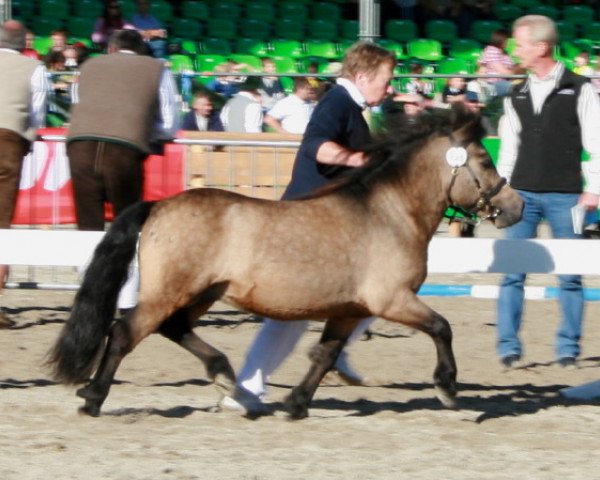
column 259, row 171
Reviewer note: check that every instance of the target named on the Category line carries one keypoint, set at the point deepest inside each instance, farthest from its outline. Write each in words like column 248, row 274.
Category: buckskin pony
column 357, row 247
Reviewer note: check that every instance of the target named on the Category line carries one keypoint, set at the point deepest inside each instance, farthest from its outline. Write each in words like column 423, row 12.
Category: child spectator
column 271, row 88
column 496, row 61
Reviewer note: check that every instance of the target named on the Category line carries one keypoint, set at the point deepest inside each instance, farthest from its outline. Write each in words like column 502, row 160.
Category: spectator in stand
column 455, row 90
column 228, row 85
column 29, row 51
column 24, row 87
column 419, row 85
column 124, row 107
column 582, row 64
column 151, row 29
column 497, row 61
column 202, row 117
column 110, row 21
column 292, row 113
column 243, row 112
column 271, row 88
column 59, row 43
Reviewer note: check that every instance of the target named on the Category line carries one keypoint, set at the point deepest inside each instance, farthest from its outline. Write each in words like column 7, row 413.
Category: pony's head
column 473, row 183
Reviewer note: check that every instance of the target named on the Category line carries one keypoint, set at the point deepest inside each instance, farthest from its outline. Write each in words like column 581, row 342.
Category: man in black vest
column 549, row 119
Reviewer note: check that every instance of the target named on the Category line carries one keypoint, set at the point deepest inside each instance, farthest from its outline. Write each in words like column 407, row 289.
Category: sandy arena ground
column 159, row 420
column 158, row 423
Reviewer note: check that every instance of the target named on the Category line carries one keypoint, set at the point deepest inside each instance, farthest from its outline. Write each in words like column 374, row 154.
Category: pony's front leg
column 118, row 345
column 323, row 356
column 414, row 313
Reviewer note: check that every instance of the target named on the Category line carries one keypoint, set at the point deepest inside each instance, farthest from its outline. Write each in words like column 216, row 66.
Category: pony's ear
column 466, row 124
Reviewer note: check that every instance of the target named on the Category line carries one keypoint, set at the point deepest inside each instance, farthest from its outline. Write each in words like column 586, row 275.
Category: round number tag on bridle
column 456, row 157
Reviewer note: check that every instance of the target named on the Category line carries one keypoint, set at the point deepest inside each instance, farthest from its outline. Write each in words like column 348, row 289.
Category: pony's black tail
column 75, row 353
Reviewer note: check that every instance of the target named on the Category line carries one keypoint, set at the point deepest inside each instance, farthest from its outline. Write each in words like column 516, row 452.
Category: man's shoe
column 244, row 402
column 568, row 363
column 511, row 362
column 348, row 374
column 6, row 322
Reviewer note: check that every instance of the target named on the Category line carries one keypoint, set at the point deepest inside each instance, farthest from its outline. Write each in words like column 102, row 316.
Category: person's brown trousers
column 13, row 148
column 103, row 172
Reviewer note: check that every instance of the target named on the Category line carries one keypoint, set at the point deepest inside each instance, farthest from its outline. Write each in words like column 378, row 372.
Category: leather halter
column 485, row 198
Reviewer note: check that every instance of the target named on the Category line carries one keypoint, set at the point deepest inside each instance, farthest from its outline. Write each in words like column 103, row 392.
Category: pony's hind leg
column 323, row 356
column 178, row 328
column 95, row 392
column 416, row 314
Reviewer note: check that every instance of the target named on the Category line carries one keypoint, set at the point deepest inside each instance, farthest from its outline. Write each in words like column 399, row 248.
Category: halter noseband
column 458, row 157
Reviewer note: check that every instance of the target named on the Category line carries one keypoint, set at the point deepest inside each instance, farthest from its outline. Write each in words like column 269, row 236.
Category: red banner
column 46, row 197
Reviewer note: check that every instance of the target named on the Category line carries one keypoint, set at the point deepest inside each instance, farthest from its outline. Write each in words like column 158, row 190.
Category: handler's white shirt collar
column 353, row 91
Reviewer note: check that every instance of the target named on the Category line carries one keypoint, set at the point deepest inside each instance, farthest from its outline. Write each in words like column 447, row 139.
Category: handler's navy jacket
column 337, row 118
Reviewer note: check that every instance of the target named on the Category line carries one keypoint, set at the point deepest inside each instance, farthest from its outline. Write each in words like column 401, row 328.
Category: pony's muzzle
column 509, row 205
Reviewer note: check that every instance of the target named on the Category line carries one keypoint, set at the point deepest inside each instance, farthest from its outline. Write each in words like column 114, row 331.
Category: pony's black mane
column 391, row 151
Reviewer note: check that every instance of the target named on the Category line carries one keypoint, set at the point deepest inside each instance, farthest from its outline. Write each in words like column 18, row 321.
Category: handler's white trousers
column 272, row 345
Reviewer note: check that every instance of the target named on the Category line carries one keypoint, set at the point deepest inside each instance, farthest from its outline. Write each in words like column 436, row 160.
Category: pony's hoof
column 224, row 385
column 447, row 397
column 89, row 410
column 295, row 410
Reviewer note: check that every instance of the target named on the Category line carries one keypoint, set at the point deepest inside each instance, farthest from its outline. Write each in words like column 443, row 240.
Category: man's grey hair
column 541, row 28
column 12, row 35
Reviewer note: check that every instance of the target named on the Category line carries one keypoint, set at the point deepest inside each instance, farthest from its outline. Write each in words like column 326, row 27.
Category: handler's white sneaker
column 244, row 402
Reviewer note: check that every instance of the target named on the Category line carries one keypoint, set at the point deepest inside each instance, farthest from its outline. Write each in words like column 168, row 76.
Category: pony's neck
column 419, row 196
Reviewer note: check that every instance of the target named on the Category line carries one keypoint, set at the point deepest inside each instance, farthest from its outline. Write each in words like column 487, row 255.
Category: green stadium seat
column 254, row 63
column 189, row 47
column 344, row 45
column 260, row 11
column 216, row 46
column 454, row 65
column 284, row 64
column 287, row 48
column 566, row 31
column 507, row 12
column 591, row 31
column 325, row 11
column 42, row 43
column 321, row 48
column 293, row 11
column 46, row 25
column 289, row 29
column 185, row 28
column 482, row 30
column 321, row 63
column 321, row 30
column 207, row 62
column 465, row 48
column 23, row 9
column 180, row 63
column 80, row 27
column 393, row 46
column 547, row 10
column 526, row 4
column 251, row 46
column 225, row 9
column 258, row 29
column 443, row 31
column 225, row 28
column 194, row 10
column 579, row 15
column 88, row 9
column 401, row 30
column 425, row 49
column 349, row 30
column 55, row 9
column 162, row 10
